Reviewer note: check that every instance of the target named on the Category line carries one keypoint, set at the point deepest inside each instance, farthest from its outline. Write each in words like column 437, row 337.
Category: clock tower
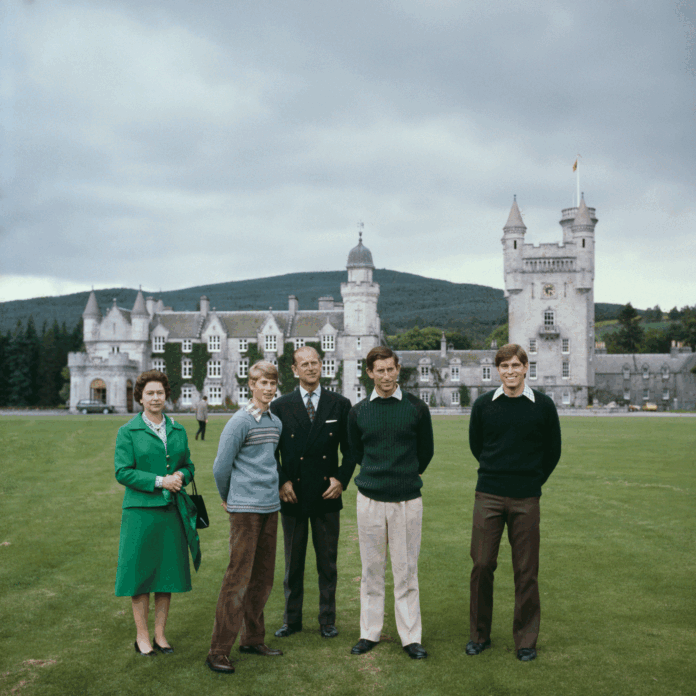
column 550, row 294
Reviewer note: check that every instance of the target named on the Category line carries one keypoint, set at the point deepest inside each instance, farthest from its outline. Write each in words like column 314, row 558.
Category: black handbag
column 202, row 521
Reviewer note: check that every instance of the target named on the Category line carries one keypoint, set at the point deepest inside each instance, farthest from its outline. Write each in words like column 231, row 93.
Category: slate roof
column 179, row 324
column 606, row 364
column 411, row 358
column 515, row 218
column 308, row 323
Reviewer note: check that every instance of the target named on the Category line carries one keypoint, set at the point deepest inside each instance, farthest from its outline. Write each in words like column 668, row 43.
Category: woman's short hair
column 150, row 376
column 380, row 353
column 263, row 368
column 508, row 352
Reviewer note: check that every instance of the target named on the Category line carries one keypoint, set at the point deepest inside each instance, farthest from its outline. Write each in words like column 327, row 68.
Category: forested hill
column 405, row 300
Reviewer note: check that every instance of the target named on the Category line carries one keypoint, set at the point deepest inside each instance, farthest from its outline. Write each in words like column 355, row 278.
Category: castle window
column 425, row 373
column 186, row 368
column 533, row 346
column 583, row 243
column 565, row 346
column 455, row 398
column 627, row 394
column 549, row 318
column 425, row 396
column 186, row 396
column 646, row 394
column 243, row 393
column 115, row 349
column 214, row 368
column 565, row 373
column 665, row 372
column 299, row 343
column 486, row 373
column 454, row 373
column 532, row 370
column 243, row 368
column 665, row 394
column 158, row 364
column 158, row 344
column 328, row 342
column 328, row 368
column 515, row 243
column 186, row 345
column 359, row 392
column 646, row 372
column 243, row 345
column 626, row 372
column 214, row 344
column 566, row 398
column 358, row 342
column 215, row 395
column 271, row 343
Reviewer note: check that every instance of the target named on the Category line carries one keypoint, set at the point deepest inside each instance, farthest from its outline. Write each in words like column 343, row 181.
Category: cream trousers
column 397, row 525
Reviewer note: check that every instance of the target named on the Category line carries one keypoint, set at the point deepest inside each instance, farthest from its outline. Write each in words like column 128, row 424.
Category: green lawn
column 618, row 576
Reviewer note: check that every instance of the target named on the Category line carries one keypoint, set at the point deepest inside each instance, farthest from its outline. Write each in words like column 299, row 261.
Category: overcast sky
column 170, row 143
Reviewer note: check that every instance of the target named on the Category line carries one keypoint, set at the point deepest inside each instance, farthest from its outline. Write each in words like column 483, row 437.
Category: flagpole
column 577, row 182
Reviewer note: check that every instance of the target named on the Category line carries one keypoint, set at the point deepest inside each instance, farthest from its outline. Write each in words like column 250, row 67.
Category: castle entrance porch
column 97, row 390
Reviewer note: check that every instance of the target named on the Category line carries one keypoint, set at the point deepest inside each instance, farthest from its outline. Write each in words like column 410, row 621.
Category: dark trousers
column 247, row 583
column 325, row 530
column 491, row 514
column 201, row 430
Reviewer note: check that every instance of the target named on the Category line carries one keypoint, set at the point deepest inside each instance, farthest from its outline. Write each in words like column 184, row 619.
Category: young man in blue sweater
column 515, row 435
column 247, row 478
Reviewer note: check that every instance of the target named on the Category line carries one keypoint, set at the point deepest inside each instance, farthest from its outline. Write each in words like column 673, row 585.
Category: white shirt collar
column 255, row 411
column 397, row 394
column 527, row 392
column 304, row 392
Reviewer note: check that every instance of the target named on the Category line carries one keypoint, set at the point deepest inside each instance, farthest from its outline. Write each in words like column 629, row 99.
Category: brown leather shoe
column 259, row 650
column 219, row 663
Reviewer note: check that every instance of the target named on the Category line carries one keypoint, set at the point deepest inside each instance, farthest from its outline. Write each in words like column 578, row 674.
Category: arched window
column 97, row 390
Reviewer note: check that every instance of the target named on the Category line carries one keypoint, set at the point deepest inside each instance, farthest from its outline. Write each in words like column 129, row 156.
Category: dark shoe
column 415, row 651
column 219, row 663
column 477, row 648
column 152, row 653
column 259, row 650
column 287, row 630
column 328, row 631
column 363, row 646
column 526, row 654
column 166, row 651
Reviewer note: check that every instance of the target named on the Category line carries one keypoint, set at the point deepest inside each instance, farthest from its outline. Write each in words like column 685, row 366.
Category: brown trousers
column 248, row 581
column 491, row 513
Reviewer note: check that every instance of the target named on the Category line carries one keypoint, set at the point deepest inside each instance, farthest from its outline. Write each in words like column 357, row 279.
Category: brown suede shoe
column 219, row 663
column 259, row 650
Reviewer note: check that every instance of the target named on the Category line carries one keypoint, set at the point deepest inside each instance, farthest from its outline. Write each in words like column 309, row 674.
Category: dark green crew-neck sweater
column 517, row 443
column 392, row 440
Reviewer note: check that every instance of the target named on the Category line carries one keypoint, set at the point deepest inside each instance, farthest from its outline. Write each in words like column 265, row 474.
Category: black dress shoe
column 526, row 654
column 363, row 646
column 287, row 630
column 166, row 651
column 152, row 653
column 328, row 631
column 473, row 648
column 219, row 663
column 415, row 651
column 259, row 650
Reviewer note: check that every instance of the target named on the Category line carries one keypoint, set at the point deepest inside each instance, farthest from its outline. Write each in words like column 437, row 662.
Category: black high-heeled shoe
column 152, row 653
column 166, row 651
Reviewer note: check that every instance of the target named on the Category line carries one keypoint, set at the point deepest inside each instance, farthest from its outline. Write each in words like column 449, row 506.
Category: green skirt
column 153, row 555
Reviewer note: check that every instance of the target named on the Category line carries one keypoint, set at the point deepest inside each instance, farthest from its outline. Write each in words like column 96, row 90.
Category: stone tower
column 550, row 293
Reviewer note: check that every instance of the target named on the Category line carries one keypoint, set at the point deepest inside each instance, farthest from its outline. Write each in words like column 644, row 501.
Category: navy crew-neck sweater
column 392, row 440
column 517, row 443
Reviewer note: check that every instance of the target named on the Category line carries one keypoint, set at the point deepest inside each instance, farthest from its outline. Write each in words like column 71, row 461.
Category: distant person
column 202, row 416
column 515, row 435
column 158, row 524
column 390, row 435
column 311, row 483
column 246, row 475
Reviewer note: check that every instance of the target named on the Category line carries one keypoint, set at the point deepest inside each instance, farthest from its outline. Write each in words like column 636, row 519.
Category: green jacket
column 140, row 458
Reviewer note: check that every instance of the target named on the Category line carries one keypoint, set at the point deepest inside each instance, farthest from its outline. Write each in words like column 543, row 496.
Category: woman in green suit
column 158, row 522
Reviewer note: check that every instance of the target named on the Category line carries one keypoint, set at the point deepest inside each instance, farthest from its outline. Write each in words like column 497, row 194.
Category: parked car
column 647, row 406
column 93, row 406
column 633, row 407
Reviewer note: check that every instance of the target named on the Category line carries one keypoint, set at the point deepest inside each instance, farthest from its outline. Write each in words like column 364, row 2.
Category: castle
column 550, row 293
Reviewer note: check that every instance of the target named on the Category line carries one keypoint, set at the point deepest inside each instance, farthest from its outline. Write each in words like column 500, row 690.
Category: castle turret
column 513, row 244
column 360, row 294
column 91, row 318
column 140, row 319
column 583, row 236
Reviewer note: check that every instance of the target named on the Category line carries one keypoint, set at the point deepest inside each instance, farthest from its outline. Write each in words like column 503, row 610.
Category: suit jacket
column 140, row 457
column 308, row 451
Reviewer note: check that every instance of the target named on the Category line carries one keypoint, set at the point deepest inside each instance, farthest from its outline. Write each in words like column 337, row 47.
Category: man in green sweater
column 390, row 435
column 515, row 435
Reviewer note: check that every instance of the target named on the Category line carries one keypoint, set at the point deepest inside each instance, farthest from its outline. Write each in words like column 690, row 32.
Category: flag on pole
column 575, row 164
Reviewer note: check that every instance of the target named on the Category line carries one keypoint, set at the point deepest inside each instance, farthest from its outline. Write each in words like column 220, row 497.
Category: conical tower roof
column 139, row 308
column 360, row 256
column 582, row 217
column 92, row 308
column 515, row 217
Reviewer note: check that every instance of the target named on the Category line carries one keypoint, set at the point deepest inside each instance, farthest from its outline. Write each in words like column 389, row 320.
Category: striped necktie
column 310, row 408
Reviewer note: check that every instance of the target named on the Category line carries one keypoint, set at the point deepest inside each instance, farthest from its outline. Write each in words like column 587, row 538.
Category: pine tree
column 629, row 337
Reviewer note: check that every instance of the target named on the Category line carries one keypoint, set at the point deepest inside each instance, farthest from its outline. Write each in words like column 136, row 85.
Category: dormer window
column 626, row 372
column 646, row 372
column 425, row 373
column 186, row 345
column 271, row 343
column 243, row 345
column 665, row 372
column 454, row 373
column 214, row 343
column 158, row 344
column 328, row 342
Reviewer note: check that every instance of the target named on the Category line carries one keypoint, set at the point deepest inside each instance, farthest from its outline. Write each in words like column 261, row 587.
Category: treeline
column 633, row 337
column 428, row 339
column 33, row 365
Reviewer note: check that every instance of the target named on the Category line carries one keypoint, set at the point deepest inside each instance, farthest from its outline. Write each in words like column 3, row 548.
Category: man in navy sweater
column 515, row 435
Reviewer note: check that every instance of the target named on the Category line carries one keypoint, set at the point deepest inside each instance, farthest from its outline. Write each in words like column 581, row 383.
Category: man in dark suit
column 311, row 483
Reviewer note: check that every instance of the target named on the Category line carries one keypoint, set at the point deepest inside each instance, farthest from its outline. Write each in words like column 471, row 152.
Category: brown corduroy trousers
column 248, row 581
column 491, row 514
